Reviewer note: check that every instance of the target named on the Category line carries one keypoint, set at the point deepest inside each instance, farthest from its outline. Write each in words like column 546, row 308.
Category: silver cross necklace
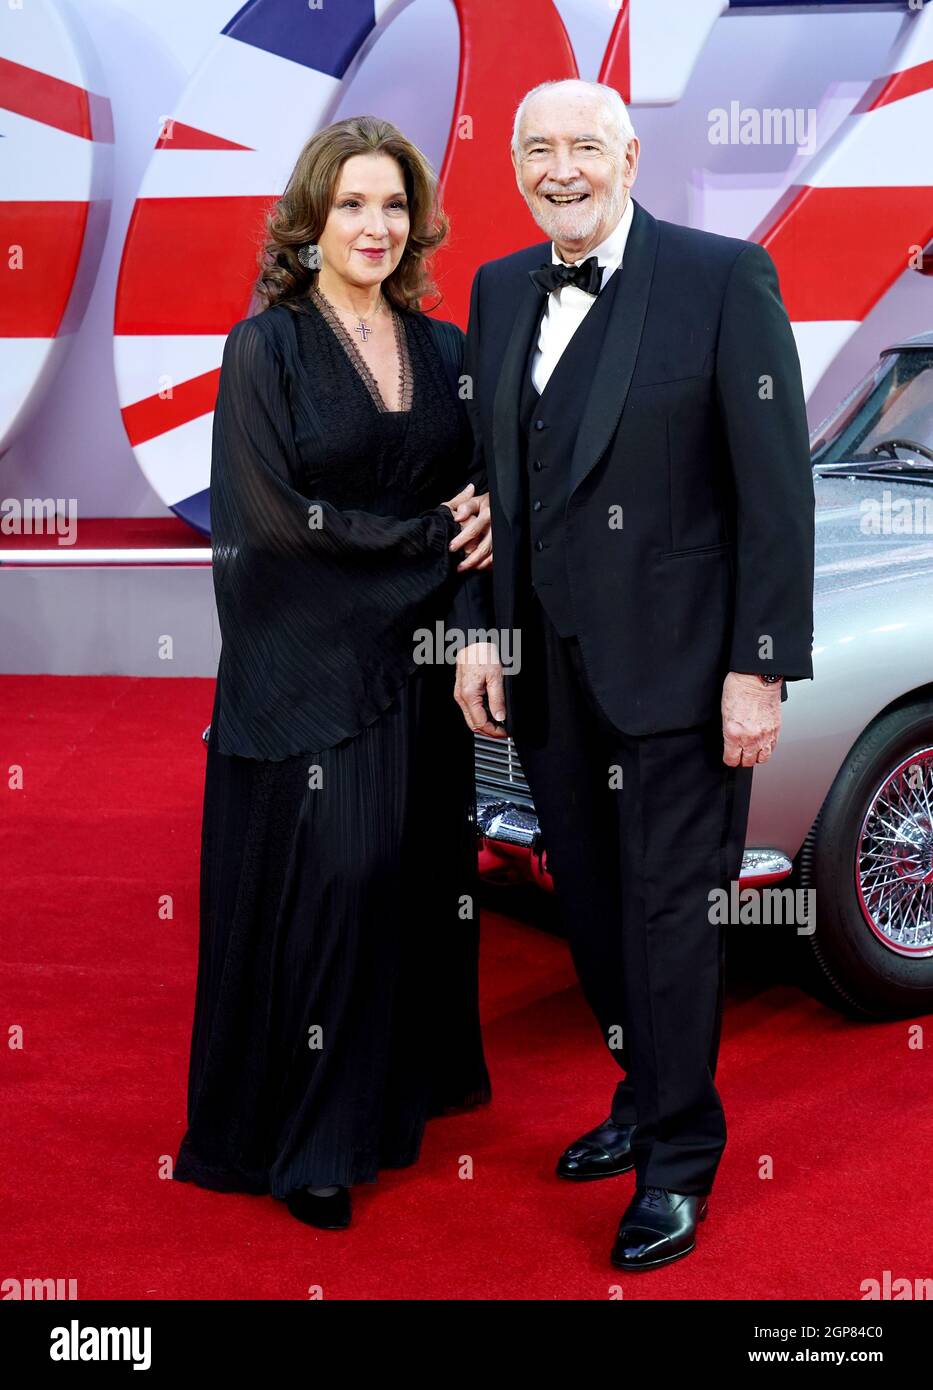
column 362, row 325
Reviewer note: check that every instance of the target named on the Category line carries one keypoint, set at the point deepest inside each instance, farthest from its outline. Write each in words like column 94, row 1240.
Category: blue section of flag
column 326, row 39
column 196, row 510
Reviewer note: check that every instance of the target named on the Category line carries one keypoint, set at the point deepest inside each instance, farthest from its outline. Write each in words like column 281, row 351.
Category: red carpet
column 102, row 988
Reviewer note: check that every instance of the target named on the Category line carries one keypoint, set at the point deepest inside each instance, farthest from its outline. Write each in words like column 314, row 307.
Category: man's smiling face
column 572, row 166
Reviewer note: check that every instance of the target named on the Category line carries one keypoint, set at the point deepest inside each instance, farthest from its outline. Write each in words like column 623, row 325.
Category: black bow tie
column 586, row 275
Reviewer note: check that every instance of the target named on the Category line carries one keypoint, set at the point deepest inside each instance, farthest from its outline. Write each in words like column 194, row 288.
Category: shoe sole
column 317, row 1226
column 594, row 1177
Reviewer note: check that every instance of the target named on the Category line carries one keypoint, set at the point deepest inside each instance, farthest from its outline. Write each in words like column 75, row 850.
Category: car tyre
column 876, row 827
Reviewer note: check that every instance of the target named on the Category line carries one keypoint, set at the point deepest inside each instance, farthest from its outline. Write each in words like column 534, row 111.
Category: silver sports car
column 842, row 815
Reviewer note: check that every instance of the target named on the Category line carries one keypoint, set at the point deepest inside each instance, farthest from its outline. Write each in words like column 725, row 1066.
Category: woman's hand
column 475, row 538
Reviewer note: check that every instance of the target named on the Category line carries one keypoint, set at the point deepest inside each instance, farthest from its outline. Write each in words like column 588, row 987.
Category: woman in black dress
column 336, row 1005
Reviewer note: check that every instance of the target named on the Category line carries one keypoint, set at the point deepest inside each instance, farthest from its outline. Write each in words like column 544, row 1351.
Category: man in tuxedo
column 640, row 420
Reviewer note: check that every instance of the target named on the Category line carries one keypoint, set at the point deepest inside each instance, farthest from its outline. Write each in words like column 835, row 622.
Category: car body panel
column 872, row 645
column 873, row 622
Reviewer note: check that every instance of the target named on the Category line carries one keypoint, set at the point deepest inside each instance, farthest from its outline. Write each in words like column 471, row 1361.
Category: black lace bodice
column 330, row 546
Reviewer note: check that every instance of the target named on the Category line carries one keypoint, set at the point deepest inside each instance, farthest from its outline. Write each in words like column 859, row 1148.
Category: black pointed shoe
column 327, row 1213
column 600, row 1153
column 658, row 1226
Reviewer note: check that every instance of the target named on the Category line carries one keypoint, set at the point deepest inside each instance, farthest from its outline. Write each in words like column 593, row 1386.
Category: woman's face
column 366, row 231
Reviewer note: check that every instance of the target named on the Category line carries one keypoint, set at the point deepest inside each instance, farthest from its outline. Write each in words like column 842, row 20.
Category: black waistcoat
column 549, row 426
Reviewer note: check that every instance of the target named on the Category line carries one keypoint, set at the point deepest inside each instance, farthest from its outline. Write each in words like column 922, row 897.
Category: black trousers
column 638, row 832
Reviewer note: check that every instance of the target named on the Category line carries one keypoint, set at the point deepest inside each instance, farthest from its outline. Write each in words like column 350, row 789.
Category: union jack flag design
column 274, row 76
column 56, row 146
column 190, row 257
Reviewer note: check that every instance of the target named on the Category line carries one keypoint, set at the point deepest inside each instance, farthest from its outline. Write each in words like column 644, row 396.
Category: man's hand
column 751, row 719
column 475, row 538
column 479, row 673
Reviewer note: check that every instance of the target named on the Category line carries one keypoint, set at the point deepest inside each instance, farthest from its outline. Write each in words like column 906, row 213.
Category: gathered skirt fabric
column 336, row 1006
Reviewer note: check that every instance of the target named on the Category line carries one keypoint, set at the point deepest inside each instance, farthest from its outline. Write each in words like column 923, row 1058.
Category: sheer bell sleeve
column 317, row 606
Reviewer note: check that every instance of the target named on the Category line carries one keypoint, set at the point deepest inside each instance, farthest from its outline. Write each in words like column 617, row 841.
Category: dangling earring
column 310, row 256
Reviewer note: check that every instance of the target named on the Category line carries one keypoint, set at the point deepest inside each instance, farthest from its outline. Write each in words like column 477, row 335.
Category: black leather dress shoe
column 658, row 1226
column 328, row 1213
column 600, row 1153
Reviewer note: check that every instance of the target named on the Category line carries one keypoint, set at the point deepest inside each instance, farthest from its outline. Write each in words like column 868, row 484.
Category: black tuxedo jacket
column 694, row 436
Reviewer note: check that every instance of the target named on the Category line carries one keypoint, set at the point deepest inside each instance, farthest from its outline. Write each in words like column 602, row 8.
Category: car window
column 895, row 401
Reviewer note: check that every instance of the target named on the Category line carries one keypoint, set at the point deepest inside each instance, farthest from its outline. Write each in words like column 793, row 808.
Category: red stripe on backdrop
column 189, row 264
column 899, row 85
column 838, row 250
column 51, row 236
column 154, row 415
column 487, row 214
column 616, row 70
column 175, row 135
column 54, row 102
column 109, row 533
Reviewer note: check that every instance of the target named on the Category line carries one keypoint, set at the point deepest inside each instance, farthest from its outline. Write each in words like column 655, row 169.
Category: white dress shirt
column 567, row 307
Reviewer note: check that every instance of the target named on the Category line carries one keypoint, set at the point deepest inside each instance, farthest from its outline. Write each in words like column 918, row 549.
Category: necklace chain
column 362, row 323
column 404, row 376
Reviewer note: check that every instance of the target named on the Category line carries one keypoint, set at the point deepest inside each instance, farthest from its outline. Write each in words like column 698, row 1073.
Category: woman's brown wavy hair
column 300, row 214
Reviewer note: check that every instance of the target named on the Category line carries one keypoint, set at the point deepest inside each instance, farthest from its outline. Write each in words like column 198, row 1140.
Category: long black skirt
column 336, row 1006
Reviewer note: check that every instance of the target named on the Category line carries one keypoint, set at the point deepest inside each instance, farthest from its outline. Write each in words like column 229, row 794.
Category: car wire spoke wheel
column 894, row 857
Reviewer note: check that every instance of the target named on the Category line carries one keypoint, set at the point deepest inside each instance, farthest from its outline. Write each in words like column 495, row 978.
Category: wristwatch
column 770, row 680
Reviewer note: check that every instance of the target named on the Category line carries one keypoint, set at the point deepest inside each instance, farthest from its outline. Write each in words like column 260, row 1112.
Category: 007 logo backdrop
column 277, row 71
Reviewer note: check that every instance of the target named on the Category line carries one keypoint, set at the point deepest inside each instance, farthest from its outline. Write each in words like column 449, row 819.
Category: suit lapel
column 611, row 380
column 506, row 434
column 613, row 375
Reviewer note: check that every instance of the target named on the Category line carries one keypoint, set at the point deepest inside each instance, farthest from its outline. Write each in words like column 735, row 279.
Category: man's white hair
column 615, row 107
